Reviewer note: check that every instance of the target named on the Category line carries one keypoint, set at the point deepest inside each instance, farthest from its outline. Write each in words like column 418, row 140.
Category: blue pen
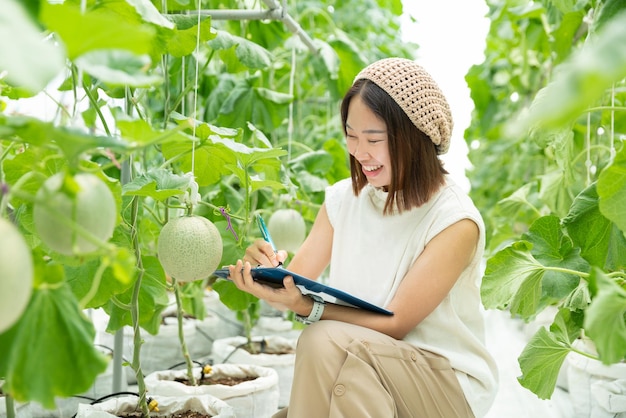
column 266, row 234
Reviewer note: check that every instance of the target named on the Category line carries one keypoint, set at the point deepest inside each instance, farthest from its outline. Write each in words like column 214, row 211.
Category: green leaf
column 513, row 280
column 552, row 248
column 233, row 298
column 612, row 190
column 140, row 132
column 315, row 162
column 184, row 39
column 541, row 362
column 158, row 184
column 153, row 300
column 117, row 67
column 567, row 325
column 602, row 244
column 49, row 352
column 71, row 141
column 245, row 103
column 248, row 53
column 147, row 11
column 608, row 10
column 95, row 30
column 605, row 319
column 23, row 50
column 115, row 279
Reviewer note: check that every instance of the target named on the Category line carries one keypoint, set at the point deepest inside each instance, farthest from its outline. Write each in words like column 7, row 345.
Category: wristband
column 316, row 312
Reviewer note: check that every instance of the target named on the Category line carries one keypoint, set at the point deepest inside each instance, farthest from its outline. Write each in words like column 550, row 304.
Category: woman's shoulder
column 335, row 194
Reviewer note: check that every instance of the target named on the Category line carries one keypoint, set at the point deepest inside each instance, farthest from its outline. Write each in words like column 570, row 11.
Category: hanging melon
column 16, row 274
column 288, row 229
column 90, row 208
column 189, row 248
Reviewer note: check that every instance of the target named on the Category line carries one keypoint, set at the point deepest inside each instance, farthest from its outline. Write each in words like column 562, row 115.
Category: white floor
column 506, row 340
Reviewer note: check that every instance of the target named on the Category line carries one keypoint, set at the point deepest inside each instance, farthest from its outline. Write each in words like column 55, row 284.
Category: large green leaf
column 117, row 67
column 532, row 273
column 232, row 297
column 248, row 53
column 153, row 300
column 49, row 352
column 95, row 30
column 187, row 36
column 23, row 50
column 72, row 141
column 541, row 362
column 602, row 243
column 117, row 277
column 605, row 321
column 552, row 248
column 259, row 106
column 159, row 184
column 513, row 280
column 612, row 190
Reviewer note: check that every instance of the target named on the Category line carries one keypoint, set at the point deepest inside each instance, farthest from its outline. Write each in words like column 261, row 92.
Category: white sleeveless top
column 372, row 253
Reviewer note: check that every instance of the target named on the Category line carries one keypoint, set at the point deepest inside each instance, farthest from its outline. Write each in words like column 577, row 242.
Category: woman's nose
column 359, row 151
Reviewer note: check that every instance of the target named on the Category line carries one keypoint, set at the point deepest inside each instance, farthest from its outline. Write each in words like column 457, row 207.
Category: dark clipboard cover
column 273, row 276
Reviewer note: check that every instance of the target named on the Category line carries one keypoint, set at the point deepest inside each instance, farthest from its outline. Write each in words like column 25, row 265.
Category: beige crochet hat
column 415, row 91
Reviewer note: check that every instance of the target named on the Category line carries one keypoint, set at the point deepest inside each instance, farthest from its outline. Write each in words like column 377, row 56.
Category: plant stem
column 10, row 405
column 181, row 333
column 134, row 312
column 247, row 327
column 567, row 271
column 585, row 354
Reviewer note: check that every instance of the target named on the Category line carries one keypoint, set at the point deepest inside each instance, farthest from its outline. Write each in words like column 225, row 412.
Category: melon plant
column 288, row 229
column 16, row 274
column 189, row 248
column 74, row 215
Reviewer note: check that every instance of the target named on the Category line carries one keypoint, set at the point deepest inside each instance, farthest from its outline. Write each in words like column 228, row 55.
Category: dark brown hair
column 416, row 171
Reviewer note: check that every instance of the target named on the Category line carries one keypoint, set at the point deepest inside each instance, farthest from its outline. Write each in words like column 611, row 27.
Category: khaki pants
column 343, row 370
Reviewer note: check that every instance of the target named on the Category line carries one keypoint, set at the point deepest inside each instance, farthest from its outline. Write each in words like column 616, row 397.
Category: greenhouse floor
column 506, row 338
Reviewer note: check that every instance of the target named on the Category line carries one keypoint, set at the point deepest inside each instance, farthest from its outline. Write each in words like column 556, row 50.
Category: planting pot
column 167, row 405
column 596, row 390
column 275, row 326
column 256, row 398
column 278, row 353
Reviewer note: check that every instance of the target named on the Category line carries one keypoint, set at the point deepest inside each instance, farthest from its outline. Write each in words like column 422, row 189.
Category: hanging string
column 612, row 133
column 195, row 91
column 588, row 161
column 292, row 76
column 183, row 79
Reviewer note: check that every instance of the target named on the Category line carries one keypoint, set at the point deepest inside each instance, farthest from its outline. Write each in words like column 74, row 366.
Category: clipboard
column 273, row 276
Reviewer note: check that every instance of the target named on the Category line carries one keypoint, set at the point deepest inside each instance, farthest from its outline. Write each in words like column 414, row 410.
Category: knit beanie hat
column 415, row 91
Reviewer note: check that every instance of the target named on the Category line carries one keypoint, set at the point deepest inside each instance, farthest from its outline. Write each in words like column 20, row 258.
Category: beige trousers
column 347, row 371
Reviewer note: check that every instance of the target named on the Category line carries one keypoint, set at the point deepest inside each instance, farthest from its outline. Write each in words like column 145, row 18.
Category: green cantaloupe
column 189, row 248
column 16, row 274
column 287, row 228
column 92, row 209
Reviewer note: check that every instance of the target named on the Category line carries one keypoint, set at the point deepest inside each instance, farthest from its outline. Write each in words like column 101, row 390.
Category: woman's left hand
column 282, row 298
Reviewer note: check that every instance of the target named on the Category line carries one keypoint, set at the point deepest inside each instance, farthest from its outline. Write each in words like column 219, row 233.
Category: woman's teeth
column 371, row 167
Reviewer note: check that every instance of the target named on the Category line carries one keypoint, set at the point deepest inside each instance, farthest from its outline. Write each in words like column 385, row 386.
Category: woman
column 400, row 234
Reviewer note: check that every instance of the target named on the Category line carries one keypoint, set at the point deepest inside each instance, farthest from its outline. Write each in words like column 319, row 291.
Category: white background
column 451, row 38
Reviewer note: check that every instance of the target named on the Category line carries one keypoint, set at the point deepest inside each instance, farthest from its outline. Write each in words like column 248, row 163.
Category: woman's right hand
column 281, row 298
column 261, row 253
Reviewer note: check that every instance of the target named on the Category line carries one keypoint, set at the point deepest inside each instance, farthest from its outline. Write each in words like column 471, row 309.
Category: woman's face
column 367, row 142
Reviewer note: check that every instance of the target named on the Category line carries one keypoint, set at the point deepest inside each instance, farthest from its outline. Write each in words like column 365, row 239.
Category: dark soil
column 224, row 380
